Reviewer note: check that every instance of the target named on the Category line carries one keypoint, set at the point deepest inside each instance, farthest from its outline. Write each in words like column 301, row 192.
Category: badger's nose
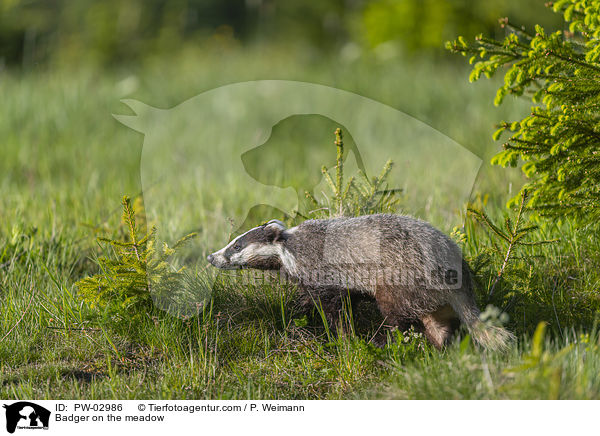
column 210, row 258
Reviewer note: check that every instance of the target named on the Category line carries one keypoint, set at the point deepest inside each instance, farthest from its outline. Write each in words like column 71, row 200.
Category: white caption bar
column 369, row 418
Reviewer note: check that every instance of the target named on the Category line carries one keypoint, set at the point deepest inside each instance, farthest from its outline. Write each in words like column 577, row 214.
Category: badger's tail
column 487, row 336
column 491, row 337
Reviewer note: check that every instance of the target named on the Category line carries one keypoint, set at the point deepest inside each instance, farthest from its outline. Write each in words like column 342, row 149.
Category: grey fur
column 415, row 272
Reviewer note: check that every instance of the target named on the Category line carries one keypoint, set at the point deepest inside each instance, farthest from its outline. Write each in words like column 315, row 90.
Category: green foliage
column 416, row 23
column 406, row 346
column 559, row 142
column 423, row 24
column 359, row 195
column 133, row 271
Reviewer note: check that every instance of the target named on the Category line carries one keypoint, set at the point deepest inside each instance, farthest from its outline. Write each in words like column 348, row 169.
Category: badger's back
column 405, row 251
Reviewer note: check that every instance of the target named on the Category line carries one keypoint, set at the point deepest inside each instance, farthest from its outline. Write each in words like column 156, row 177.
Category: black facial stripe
column 229, row 252
column 257, row 235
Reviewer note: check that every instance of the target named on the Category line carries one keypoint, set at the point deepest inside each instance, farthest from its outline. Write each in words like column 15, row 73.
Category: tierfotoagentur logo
column 25, row 415
column 195, row 175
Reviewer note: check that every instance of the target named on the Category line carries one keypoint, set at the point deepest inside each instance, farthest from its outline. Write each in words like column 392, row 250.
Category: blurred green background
column 114, row 32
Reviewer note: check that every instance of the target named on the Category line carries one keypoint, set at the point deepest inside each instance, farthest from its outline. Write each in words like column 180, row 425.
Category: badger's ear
column 275, row 229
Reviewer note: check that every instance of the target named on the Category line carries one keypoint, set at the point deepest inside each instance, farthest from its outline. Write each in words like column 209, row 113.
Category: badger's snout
column 219, row 260
column 216, row 260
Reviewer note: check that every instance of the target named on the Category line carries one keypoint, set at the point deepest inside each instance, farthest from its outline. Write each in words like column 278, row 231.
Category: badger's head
column 259, row 248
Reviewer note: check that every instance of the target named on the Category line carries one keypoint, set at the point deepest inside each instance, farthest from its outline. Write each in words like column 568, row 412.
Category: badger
column 414, row 272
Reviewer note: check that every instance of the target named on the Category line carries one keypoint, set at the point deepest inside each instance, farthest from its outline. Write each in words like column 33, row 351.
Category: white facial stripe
column 221, row 252
column 237, row 259
column 257, row 250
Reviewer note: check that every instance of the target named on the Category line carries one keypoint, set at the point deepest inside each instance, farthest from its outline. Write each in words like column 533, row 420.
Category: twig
column 511, row 241
column 377, row 331
column 317, row 210
column 501, row 272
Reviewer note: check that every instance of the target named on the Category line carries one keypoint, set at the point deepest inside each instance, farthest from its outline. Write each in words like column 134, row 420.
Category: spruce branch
column 560, row 72
column 513, row 236
column 130, row 270
column 359, row 195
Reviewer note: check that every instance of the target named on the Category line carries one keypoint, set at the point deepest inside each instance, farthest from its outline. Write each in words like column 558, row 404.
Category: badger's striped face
column 257, row 248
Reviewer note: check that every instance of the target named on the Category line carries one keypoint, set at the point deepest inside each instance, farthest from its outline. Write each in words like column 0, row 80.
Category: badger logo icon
column 24, row 414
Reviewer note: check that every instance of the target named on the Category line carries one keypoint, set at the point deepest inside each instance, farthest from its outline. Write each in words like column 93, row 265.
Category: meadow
column 65, row 164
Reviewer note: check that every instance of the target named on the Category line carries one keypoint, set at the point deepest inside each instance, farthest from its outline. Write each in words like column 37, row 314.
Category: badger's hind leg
column 440, row 325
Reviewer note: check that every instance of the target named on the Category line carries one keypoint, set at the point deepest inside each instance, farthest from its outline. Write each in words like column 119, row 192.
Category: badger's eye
column 237, row 246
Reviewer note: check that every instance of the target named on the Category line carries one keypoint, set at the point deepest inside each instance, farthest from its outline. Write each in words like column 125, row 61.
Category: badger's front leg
column 325, row 299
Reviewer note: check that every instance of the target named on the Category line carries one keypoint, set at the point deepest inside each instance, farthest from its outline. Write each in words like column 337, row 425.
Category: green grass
column 66, row 163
